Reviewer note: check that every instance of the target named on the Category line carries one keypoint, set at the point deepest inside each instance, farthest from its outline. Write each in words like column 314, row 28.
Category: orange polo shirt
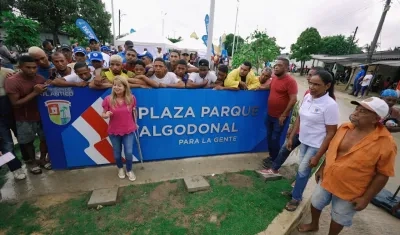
column 349, row 176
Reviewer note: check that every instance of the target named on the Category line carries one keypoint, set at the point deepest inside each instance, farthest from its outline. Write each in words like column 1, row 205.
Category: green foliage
column 258, row 49
column 175, row 40
column 307, row 43
column 59, row 15
column 229, row 43
column 21, row 32
column 338, row 45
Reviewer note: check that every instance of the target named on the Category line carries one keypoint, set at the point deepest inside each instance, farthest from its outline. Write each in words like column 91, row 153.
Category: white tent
column 147, row 38
column 193, row 45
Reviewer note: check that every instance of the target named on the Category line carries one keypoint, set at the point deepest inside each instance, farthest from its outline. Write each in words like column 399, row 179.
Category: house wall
column 45, row 36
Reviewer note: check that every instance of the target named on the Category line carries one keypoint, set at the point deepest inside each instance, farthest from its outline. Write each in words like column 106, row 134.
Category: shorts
column 27, row 131
column 342, row 211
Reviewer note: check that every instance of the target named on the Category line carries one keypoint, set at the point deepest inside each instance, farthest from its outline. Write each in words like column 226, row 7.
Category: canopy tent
column 147, row 38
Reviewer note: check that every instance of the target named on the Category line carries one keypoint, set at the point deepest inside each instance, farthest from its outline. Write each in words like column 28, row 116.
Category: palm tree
column 367, row 47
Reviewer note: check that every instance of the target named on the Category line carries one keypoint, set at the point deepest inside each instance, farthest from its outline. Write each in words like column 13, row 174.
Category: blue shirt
column 359, row 75
column 45, row 72
column 122, row 54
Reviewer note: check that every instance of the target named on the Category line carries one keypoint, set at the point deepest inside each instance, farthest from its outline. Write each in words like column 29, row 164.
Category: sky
column 282, row 19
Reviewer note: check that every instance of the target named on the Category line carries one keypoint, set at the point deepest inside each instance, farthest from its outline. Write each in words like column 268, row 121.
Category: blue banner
column 172, row 124
column 204, row 38
column 207, row 21
column 86, row 29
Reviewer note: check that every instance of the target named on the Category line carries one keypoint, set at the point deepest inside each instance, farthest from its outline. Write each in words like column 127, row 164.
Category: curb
column 286, row 221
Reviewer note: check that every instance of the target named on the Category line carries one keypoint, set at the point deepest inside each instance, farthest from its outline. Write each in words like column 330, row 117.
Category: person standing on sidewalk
column 282, row 98
column 364, row 84
column 272, row 168
column 119, row 107
column 318, row 119
column 359, row 161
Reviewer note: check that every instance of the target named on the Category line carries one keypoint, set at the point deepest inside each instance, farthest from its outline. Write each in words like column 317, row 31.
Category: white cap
column 375, row 105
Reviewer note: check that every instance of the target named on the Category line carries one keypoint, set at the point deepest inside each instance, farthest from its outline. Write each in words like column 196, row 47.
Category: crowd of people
column 358, row 156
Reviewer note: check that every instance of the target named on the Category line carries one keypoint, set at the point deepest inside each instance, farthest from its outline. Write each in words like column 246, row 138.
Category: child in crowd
column 119, row 107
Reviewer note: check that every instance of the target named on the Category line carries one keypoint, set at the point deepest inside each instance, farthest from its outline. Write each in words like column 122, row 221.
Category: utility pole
column 234, row 34
column 378, row 31
column 210, row 30
column 119, row 25
column 113, row 21
column 352, row 40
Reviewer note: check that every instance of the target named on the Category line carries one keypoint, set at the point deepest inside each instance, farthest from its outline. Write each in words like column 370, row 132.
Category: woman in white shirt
column 318, row 119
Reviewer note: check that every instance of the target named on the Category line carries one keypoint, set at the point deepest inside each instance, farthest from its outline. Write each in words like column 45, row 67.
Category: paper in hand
column 6, row 158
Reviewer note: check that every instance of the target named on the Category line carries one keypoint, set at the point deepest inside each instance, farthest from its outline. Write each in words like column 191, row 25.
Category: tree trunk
column 302, row 67
column 55, row 38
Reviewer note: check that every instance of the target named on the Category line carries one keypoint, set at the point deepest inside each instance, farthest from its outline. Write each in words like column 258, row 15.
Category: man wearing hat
column 96, row 60
column 204, row 78
column 359, row 161
column 128, row 44
column 66, row 50
column 392, row 120
column 147, row 58
column 185, row 56
column 95, row 47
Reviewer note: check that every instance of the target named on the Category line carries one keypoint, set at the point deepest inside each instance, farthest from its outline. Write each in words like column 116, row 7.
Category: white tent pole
column 210, row 30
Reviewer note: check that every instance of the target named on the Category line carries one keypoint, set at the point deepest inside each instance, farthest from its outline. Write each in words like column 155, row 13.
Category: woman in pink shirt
column 119, row 107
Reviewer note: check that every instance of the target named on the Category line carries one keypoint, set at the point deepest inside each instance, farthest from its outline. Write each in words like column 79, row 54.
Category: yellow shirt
column 110, row 76
column 233, row 80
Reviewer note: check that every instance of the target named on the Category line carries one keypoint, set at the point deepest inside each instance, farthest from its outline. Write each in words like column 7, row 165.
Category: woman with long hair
column 119, row 107
column 318, row 119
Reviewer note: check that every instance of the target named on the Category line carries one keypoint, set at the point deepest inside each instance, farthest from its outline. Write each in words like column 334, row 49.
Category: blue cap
column 79, row 49
column 93, row 39
column 95, row 56
column 147, row 54
column 389, row 93
column 104, row 48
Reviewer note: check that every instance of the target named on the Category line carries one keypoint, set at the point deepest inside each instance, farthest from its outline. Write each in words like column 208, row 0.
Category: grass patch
column 237, row 203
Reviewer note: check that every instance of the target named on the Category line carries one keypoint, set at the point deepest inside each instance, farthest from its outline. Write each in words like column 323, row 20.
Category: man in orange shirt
column 359, row 161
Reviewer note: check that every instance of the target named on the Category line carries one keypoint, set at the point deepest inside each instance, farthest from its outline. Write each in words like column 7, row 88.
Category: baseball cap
column 79, row 50
column 375, row 105
column 204, row 62
column 104, row 48
column 147, row 54
column 93, row 39
column 97, row 56
column 185, row 51
column 389, row 93
column 65, row 47
column 129, row 43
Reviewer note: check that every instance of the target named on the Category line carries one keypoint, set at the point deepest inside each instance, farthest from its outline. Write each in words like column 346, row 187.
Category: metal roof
column 394, row 63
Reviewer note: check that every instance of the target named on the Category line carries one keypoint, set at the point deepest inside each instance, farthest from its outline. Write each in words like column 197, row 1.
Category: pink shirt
column 121, row 121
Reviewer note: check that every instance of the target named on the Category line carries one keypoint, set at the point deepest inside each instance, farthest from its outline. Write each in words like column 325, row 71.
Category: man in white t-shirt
column 162, row 78
column 80, row 78
column 95, row 46
column 364, row 84
column 204, row 78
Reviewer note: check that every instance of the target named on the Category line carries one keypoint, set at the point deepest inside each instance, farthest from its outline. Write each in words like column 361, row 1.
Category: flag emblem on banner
column 59, row 111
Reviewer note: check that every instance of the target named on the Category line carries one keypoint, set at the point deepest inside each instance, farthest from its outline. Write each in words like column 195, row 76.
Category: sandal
column 46, row 166
column 35, row 170
column 292, row 205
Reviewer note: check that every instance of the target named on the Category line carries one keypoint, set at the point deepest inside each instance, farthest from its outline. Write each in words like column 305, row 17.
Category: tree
column 338, row 45
column 175, row 40
column 20, row 32
column 50, row 14
column 6, row 5
column 258, row 49
column 307, row 43
column 229, row 43
column 367, row 47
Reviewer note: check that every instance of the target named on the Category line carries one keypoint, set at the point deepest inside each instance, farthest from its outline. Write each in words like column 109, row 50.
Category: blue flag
column 206, row 21
column 86, row 29
column 204, row 38
column 132, row 31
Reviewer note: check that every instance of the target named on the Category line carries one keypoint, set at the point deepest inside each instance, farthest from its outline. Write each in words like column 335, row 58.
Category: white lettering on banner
column 181, row 112
column 189, row 129
column 207, row 140
column 56, row 91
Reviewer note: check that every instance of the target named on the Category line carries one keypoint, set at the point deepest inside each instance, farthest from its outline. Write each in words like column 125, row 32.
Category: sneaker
column 131, row 175
column 267, row 163
column 19, row 174
column 121, row 173
column 268, row 172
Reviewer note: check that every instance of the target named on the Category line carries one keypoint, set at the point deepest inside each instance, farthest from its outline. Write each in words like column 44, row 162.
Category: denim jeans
column 274, row 133
column 7, row 143
column 303, row 174
column 127, row 141
column 284, row 153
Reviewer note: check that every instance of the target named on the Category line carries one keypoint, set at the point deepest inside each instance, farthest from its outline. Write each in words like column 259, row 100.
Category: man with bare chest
column 359, row 161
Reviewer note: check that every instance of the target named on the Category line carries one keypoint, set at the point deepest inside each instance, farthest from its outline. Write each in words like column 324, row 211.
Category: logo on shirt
column 59, row 111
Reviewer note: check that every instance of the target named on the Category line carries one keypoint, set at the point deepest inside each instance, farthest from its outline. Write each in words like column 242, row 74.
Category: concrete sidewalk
column 88, row 179
column 373, row 220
